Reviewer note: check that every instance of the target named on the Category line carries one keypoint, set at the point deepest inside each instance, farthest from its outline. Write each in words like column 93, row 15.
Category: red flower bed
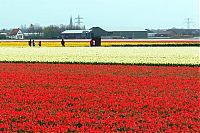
column 97, row 98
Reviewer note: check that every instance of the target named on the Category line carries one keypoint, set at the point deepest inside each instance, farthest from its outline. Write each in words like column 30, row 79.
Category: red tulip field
column 98, row 98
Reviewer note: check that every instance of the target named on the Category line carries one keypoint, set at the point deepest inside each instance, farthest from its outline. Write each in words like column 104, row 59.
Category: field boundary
column 103, row 63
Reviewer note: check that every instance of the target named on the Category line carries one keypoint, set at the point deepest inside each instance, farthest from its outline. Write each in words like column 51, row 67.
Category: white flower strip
column 133, row 55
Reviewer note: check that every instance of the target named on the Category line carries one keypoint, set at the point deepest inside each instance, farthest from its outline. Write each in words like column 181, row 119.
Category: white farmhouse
column 16, row 34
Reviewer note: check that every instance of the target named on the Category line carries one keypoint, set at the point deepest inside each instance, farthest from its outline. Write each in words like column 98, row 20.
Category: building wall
column 16, row 37
column 73, row 36
column 19, row 35
column 140, row 34
column 131, row 34
column 123, row 34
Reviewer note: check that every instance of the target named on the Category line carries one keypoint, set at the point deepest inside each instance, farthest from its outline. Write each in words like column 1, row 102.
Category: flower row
column 110, row 55
column 98, row 98
column 86, row 43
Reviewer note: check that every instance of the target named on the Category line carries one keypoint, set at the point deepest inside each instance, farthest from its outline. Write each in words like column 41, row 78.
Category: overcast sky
column 110, row 14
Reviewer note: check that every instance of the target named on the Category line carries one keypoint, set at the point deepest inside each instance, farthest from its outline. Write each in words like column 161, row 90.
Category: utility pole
column 188, row 21
column 78, row 20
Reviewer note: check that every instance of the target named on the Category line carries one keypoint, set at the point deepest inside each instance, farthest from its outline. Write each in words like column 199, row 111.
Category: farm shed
column 119, row 33
column 75, row 34
column 99, row 32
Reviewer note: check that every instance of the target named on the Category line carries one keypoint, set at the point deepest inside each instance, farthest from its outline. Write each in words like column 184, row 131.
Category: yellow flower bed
column 44, row 44
column 135, row 43
column 67, row 44
column 14, row 44
column 105, row 43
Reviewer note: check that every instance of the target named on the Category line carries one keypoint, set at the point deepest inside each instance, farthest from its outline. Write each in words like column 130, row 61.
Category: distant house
column 174, row 33
column 185, row 33
column 16, row 34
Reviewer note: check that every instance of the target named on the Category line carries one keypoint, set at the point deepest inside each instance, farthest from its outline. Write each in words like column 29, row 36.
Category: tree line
column 47, row 32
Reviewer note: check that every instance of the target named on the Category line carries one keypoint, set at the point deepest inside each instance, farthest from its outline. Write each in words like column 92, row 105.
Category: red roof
column 14, row 32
